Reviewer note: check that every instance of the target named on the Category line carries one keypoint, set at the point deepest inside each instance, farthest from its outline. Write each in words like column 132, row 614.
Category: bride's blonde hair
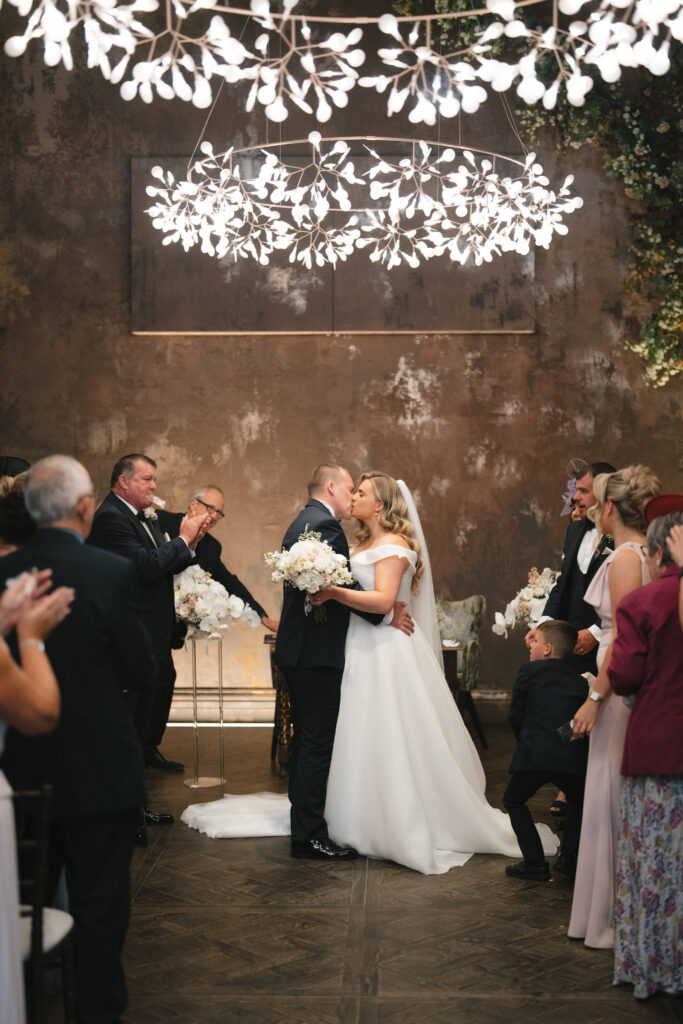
column 630, row 489
column 392, row 517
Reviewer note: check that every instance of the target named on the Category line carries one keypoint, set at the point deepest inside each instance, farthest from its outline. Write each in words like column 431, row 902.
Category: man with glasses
column 210, row 501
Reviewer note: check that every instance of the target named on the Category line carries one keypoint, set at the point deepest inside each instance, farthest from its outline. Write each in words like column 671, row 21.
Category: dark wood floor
column 234, row 930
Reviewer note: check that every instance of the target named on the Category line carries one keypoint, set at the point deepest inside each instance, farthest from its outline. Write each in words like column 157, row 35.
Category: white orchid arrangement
column 310, row 565
column 206, row 606
column 527, row 606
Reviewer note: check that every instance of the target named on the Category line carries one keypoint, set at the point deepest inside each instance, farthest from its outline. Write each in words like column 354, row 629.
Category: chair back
column 32, row 810
column 461, row 620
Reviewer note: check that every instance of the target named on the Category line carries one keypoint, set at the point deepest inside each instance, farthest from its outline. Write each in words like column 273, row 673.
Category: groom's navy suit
column 311, row 656
column 117, row 529
column 566, row 599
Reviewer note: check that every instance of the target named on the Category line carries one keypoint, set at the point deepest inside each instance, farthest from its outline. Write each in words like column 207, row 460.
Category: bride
column 406, row 783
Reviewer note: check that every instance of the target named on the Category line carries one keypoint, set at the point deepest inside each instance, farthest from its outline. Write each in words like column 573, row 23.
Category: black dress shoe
column 152, row 818
column 321, row 849
column 531, row 870
column 155, row 759
column 566, row 864
column 141, row 836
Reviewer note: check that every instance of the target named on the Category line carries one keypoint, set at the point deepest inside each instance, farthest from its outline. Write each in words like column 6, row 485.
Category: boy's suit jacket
column 545, row 696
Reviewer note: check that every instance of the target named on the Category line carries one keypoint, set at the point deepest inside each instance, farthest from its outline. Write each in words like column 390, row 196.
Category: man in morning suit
column 93, row 759
column 547, row 693
column 210, row 501
column 584, row 553
column 311, row 656
column 121, row 526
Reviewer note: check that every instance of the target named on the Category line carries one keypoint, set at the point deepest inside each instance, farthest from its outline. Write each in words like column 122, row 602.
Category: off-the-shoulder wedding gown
column 406, row 783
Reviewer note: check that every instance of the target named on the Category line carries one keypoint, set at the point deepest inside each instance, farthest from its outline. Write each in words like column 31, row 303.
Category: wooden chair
column 282, row 721
column 46, row 933
column 460, row 622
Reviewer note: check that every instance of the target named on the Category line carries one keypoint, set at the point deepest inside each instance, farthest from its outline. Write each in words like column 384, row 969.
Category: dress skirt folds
column 648, row 927
column 11, row 976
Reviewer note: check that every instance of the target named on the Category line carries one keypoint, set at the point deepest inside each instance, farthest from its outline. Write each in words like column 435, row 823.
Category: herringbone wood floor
column 234, row 930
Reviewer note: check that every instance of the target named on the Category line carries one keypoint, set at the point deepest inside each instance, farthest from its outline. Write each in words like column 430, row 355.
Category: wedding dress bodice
column 363, row 567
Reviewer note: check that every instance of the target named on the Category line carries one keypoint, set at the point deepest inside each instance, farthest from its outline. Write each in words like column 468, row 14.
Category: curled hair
column 629, row 489
column 658, row 530
column 393, row 517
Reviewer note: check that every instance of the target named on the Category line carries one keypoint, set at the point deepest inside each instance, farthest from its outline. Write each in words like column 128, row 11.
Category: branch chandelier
column 402, row 209
column 317, row 74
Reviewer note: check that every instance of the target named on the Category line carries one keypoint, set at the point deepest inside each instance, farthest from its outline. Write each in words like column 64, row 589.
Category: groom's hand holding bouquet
column 310, row 565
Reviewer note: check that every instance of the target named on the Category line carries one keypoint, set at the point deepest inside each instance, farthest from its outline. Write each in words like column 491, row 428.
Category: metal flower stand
column 197, row 781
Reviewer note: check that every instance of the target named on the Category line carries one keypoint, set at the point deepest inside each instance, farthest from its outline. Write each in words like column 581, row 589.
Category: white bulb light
column 292, row 66
column 413, row 208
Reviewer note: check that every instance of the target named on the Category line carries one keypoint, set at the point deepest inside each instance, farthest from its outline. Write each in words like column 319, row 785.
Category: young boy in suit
column 546, row 694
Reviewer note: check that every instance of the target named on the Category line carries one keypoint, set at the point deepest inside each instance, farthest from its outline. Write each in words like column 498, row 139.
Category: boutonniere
column 151, row 511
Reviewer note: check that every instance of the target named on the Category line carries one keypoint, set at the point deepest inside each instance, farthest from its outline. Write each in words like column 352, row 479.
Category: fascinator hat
column 662, row 504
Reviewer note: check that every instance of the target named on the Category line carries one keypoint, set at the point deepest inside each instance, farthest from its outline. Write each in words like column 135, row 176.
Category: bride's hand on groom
column 402, row 619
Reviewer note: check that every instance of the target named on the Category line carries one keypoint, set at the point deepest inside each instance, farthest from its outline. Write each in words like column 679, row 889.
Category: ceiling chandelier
column 325, row 206
column 295, row 62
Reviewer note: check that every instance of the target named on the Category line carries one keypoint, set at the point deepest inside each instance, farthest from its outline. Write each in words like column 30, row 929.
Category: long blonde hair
column 392, row 517
column 630, row 489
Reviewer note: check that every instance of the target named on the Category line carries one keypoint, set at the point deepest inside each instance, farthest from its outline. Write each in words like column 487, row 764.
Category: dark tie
column 148, row 528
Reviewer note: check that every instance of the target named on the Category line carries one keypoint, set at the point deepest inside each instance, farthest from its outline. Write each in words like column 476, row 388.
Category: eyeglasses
column 211, row 508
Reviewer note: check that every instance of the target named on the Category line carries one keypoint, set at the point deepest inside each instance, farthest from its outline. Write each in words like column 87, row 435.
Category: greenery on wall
column 637, row 124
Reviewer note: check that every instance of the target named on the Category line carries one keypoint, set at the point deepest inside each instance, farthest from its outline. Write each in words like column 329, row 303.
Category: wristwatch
column 595, row 696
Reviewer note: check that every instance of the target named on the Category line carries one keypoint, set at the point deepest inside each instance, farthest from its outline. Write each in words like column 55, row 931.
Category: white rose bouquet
column 310, row 565
column 205, row 605
column 527, row 606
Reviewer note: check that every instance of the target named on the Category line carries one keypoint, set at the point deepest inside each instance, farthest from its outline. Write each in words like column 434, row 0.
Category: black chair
column 46, row 933
column 282, row 719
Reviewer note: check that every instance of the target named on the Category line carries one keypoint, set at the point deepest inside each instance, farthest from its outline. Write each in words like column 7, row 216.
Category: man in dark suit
column 546, row 694
column 311, row 656
column 93, row 759
column 123, row 525
column 210, row 501
column 584, row 553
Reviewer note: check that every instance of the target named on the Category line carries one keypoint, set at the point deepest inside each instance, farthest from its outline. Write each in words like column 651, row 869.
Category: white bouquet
column 527, row 606
column 205, row 605
column 310, row 565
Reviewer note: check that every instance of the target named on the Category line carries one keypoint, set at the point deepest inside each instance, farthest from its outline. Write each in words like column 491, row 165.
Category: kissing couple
column 381, row 762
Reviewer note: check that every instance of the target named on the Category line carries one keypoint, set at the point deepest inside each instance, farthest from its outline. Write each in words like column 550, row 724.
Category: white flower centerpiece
column 206, row 606
column 527, row 606
column 310, row 565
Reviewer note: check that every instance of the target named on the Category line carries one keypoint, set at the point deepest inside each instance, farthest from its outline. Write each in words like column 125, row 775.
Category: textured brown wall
column 481, row 427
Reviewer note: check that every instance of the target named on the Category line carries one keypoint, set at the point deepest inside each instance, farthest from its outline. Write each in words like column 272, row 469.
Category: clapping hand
column 19, row 594
column 41, row 617
column 192, row 530
column 675, row 542
column 26, row 605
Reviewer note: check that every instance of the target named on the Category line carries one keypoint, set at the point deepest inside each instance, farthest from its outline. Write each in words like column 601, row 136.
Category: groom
column 311, row 656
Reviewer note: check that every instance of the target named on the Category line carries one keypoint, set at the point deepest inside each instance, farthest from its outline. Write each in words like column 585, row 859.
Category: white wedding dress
column 406, row 783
